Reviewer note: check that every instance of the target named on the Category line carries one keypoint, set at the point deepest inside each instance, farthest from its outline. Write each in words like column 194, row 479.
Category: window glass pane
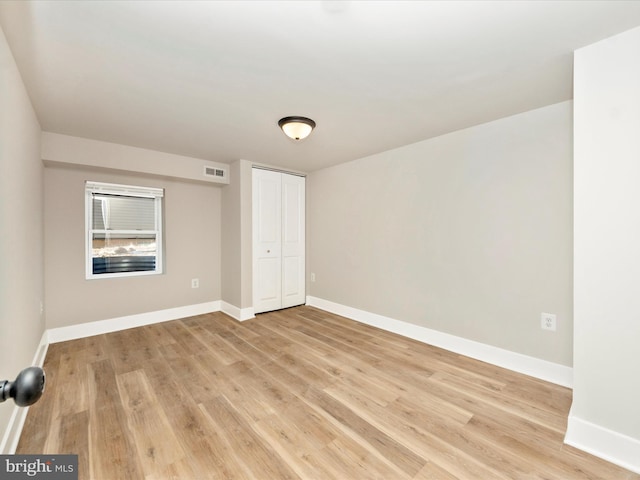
column 124, row 230
column 116, row 253
column 112, row 212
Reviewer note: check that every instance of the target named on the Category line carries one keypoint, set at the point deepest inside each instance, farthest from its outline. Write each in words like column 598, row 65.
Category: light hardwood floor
column 298, row 393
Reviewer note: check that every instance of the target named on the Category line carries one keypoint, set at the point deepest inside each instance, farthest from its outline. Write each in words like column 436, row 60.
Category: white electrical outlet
column 313, row 277
column 548, row 321
column 195, row 283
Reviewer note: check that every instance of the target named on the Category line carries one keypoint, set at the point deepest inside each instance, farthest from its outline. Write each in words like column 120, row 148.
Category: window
column 124, row 230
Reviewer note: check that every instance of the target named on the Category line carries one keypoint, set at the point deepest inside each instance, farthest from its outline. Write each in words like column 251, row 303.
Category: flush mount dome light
column 297, row 128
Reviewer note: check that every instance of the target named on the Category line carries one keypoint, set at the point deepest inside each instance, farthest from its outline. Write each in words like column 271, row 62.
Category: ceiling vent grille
column 218, row 173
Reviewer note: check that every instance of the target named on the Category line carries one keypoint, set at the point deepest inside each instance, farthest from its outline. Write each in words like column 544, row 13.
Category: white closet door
column 293, row 242
column 278, row 240
column 267, row 235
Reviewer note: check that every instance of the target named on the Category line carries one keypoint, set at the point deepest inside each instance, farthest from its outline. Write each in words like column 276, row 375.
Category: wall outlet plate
column 195, row 283
column 548, row 321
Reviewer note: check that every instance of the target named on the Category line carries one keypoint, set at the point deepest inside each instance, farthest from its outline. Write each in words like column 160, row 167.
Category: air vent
column 214, row 172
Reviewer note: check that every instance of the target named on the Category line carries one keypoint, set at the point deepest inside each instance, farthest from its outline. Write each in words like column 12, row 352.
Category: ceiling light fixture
column 297, row 128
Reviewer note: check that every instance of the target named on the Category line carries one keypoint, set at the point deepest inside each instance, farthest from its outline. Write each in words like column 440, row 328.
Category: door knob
column 268, row 251
column 26, row 389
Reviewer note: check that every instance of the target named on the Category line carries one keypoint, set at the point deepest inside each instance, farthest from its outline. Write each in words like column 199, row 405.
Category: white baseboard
column 535, row 367
column 604, row 443
column 89, row 329
column 12, row 433
column 240, row 314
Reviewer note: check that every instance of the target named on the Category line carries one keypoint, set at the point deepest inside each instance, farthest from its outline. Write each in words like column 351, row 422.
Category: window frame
column 92, row 188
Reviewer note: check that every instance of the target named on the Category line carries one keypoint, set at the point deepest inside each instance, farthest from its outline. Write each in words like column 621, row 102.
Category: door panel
column 292, row 287
column 291, row 204
column 269, row 291
column 269, row 211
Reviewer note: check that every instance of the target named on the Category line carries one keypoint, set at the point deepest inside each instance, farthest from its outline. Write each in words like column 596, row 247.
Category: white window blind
column 111, row 212
column 124, row 230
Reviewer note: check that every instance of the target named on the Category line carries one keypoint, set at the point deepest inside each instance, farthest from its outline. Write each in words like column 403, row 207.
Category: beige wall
column 192, row 250
column 604, row 416
column 231, row 238
column 84, row 152
column 246, row 224
column 469, row 233
column 21, row 234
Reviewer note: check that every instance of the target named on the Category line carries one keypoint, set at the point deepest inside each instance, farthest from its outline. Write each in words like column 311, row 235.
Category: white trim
column 258, row 166
column 19, row 415
column 604, row 443
column 240, row 314
column 535, row 367
column 89, row 329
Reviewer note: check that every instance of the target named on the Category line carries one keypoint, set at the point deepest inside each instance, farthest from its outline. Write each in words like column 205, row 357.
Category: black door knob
column 26, row 389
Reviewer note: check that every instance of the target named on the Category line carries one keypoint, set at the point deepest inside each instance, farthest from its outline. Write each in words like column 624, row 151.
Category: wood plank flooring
column 298, row 393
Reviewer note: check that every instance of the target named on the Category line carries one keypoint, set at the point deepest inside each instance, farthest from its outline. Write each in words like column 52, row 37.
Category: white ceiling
column 211, row 79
